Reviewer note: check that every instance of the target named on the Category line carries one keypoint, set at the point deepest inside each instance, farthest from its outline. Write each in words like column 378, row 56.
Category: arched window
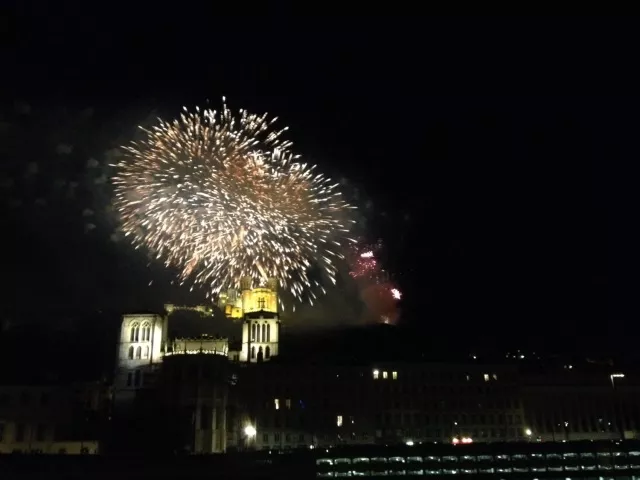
column 138, row 352
column 136, row 379
column 146, row 352
column 146, row 332
column 253, row 332
column 260, row 354
column 130, row 355
column 129, row 379
column 253, row 352
column 257, row 332
column 264, row 332
column 134, row 336
column 267, row 352
column 268, row 333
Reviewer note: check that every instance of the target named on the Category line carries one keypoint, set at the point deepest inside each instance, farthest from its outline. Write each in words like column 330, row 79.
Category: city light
column 250, row 431
column 409, row 443
column 463, row 440
column 528, row 432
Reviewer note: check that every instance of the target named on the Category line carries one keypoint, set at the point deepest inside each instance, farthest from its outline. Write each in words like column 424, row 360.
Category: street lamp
column 250, row 435
column 528, row 433
column 613, row 376
column 616, row 404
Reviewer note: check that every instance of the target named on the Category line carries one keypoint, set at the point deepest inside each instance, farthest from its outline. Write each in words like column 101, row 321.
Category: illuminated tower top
column 263, row 297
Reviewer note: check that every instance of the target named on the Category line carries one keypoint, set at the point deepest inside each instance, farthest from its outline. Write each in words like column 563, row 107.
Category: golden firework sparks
column 221, row 196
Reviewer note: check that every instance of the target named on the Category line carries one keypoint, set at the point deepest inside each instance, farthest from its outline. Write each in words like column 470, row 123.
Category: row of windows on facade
column 395, row 420
column 24, row 399
column 384, row 375
column 134, row 333
column 300, row 439
column 260, row 333
column 408, row 403
column 138, row 352
column 457, row 390
column 418, row 419
column 20, row 433
column 289, row 438
column 260, row 353
column 462, row 404
column 455, row 395
column 591, row 424
column 440, row 434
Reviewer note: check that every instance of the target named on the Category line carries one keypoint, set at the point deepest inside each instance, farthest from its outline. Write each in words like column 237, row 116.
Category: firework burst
column 376, row 289
column 221, row 196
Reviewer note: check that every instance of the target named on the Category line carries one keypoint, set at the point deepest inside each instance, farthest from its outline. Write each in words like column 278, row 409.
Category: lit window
column 394, row 375
column 486, row 377
column 339, row 420
column 276, row 402
column 385, row 375
column 495, row 376
column 376, row 374
column 287, row 402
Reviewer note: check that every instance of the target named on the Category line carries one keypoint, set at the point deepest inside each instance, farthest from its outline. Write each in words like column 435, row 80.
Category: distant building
column 57, row 419
column 191, row 391
column 216, row 397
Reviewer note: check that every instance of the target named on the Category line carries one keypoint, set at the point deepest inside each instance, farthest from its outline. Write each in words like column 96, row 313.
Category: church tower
column 140, row 351
column 261, row 324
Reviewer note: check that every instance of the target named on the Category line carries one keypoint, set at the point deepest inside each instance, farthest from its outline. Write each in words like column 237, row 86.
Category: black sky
column 495, row 157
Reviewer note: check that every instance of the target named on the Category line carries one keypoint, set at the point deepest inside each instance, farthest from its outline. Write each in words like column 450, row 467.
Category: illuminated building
column 148, row 358
column 144, row 341
column 211, row 392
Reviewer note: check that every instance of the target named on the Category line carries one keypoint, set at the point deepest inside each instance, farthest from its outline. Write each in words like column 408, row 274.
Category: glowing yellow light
column 250, row 431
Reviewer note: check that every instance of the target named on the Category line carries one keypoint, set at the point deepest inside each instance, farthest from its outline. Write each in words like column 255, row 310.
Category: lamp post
column 616, row 407
column 250, row 435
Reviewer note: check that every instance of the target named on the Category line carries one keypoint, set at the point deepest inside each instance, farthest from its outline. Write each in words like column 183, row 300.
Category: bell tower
column 140, row 351
column 261, row 324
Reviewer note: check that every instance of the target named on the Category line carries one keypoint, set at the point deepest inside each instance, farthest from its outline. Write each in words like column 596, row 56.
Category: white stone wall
column 259, row 334
column 142, row 337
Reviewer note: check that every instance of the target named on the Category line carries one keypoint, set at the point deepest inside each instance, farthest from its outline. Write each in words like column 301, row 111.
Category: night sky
column 495, row 158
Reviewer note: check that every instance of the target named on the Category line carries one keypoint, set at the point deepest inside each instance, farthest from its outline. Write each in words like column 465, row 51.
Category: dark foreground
column 562, row 461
